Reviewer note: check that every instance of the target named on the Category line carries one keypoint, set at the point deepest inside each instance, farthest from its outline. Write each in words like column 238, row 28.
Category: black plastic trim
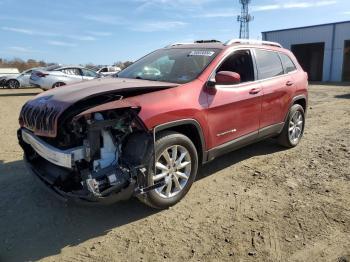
column 300, row 97
column 270, row 130
column 245, row 140
column 186, row 122
column 232, row 145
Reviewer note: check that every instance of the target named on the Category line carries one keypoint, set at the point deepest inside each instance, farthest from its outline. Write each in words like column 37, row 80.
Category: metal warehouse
column 322, row 50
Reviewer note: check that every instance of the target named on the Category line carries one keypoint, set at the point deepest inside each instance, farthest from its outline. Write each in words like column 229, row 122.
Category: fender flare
column 296, row 98
column 181, row 122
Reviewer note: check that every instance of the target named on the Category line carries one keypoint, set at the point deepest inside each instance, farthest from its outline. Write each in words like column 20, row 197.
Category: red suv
column 145, row 131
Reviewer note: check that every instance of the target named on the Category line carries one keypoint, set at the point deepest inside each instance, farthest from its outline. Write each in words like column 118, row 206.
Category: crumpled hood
column 72, row 93
column 42, row 112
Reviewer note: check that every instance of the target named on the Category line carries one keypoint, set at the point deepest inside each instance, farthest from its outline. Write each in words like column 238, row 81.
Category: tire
column 58, row 84
column 13, row 83
column 289, row 138
column 186, row 152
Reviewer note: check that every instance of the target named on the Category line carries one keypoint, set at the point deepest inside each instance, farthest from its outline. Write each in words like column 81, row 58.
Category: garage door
column 346, row 65
column 310, row 57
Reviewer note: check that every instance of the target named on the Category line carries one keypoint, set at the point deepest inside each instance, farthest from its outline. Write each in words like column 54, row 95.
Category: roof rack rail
column 179, row 43
column 253, row 42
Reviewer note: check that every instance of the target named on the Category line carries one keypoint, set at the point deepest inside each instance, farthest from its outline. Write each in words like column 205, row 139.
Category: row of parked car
column 55, row 76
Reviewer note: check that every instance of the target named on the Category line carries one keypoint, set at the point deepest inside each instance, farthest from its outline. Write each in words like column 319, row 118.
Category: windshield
column 171, row 65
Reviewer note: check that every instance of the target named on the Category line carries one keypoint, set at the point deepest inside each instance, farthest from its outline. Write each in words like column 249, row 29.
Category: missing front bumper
column 79, row 198
column 63, row 158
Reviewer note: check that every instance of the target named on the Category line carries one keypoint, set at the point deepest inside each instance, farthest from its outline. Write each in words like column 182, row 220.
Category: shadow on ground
column 345, row 96
column 35, row 225
column 19, row 94
column 265, row 147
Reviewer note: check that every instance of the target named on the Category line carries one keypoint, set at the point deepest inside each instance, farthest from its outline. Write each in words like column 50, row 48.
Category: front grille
column 40, row 119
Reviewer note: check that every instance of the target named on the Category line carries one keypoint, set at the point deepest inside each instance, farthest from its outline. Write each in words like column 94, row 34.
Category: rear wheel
column 58, row 84
column 176, row 164
column 13, row 83
column 293, row 129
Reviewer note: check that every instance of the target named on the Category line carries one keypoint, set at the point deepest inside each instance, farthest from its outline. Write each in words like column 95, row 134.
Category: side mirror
column 227, row 78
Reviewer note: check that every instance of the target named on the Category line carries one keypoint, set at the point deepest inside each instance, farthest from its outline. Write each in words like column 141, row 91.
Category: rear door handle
column 289, row 83
column 255, row 91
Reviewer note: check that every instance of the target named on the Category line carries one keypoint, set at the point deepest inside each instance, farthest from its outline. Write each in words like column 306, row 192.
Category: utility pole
column 244, row 19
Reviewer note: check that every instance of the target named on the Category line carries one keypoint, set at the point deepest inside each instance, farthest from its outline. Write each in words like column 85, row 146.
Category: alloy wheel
column 13, row 84
column 296, row 124
column 173, row 167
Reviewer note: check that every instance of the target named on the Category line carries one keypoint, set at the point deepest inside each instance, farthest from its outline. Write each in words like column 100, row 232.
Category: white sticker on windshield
column 201, row 53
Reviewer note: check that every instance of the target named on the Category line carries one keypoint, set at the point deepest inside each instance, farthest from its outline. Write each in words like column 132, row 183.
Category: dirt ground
column 260, row 203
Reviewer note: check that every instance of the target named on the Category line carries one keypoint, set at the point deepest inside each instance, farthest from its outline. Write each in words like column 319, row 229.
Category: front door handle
column 255, row 91
column 289, row 83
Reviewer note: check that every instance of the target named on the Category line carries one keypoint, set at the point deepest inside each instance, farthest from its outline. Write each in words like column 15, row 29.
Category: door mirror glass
column 227, row 78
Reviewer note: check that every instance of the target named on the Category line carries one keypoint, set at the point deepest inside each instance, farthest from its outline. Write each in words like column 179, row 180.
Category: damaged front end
column 97, row 157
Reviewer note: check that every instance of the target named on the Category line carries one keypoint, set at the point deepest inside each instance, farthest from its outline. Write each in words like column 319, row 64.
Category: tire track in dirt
column 273, row 246
column 328, row 249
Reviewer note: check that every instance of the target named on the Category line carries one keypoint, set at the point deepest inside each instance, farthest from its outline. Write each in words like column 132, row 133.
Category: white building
column 322, row 50
column 8, row 71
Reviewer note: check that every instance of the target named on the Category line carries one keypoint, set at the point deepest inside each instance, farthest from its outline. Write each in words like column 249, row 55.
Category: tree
column 20, row 64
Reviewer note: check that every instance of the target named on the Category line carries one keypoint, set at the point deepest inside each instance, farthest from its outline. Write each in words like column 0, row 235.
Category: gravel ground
column 260, row 203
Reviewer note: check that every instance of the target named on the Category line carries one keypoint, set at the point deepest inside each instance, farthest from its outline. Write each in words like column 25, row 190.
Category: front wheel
column 176, row 164
column 293, row 129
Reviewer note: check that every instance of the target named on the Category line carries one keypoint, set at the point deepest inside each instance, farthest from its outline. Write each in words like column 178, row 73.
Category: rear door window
column 288, row 64
column 268, row 63
column 71, row 71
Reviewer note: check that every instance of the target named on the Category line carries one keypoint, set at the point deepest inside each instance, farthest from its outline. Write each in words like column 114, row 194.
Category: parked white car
column 108, row 70
column 58, row 76
column 19, row 80
column 5, row 73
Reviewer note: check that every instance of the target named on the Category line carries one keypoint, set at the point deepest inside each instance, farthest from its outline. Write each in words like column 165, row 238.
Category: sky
column 107, row 31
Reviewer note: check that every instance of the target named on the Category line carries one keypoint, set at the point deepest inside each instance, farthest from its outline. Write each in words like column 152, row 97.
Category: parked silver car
column 19, row 80
column 108, row 70
column 62, row 75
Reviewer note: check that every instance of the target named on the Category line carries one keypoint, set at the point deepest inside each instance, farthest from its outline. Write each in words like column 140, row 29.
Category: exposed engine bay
column 97, row 157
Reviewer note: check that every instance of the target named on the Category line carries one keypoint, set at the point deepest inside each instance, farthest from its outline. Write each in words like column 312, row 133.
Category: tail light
column 40, row 74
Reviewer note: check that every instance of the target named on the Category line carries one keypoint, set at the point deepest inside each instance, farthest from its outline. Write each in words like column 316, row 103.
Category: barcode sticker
column 201, row 53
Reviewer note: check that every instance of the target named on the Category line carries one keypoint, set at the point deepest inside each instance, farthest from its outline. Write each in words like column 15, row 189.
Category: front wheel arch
column 165, row 140
column 190, row 128
column 301, row 101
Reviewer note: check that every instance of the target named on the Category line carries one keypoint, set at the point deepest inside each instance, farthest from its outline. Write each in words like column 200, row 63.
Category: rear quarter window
column 288, row 64
column 71, row 71
column 268, row 63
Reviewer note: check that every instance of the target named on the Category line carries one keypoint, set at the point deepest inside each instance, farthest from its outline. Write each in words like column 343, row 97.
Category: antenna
column 244, row 19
